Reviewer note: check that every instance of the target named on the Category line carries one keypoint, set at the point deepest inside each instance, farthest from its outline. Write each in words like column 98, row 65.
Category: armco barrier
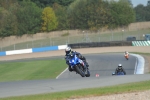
column 2, row 53
column 32, row 50
column 101, row 44
column 18, row 51
column 51, row 48
column 78, row 45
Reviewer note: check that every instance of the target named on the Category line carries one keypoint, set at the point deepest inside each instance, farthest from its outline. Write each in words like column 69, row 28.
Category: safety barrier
column 141, row 43
column 33, row 50
column 77, row 45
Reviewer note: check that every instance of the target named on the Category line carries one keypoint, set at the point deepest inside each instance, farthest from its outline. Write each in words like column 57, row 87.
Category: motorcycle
column 78, row 66
column 126, row 56
column 119, row 73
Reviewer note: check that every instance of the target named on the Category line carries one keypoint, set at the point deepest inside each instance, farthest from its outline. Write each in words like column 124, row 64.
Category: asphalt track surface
column 102, row 64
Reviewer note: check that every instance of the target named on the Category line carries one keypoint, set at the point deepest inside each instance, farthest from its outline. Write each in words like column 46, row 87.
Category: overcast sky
column 136, row 2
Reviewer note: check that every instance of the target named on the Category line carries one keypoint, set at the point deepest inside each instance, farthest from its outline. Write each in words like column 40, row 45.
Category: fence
column 69, row 40
column 74, row 36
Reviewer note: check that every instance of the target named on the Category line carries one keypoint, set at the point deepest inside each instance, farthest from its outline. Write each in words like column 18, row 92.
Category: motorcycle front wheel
column 88, row 73
column 79, row 71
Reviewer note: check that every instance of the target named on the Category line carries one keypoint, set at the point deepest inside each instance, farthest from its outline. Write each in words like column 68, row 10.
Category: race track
column 102, row 64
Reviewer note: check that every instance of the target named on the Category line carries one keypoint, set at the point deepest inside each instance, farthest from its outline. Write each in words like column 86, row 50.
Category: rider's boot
column 70, row 69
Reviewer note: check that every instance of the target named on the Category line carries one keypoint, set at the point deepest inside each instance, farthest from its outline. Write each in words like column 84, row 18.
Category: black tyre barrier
column 101, row 44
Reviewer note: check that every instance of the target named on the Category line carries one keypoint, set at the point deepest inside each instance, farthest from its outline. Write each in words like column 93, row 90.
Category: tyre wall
column 101, row 44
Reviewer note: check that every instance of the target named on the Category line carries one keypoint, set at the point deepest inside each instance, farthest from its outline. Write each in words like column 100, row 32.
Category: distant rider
column 126, row 53
column 120, row 69
column 68, row 51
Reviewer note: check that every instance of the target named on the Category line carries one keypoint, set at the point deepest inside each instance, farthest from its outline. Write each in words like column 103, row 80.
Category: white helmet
column 119, row 66
column 68, row 50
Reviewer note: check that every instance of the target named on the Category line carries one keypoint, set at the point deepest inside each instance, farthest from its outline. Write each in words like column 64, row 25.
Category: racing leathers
column 120, row 70
column 126, row 53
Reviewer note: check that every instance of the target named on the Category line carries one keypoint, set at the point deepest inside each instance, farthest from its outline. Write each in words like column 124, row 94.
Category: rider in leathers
column 68, row 51
column 126, row 53
column 120, row 69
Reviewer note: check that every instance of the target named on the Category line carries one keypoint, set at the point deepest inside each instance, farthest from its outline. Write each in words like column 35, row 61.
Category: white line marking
column 61, row 73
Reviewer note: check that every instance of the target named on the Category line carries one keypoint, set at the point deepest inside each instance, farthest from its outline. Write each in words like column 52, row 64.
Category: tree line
column 19, row 17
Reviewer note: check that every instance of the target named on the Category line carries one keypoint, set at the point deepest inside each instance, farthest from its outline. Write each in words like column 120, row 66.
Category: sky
column 136, row 2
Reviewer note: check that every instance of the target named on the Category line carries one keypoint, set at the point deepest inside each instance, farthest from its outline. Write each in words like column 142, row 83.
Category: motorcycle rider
column 120, row 69
column 126, row 53
column 68, row 51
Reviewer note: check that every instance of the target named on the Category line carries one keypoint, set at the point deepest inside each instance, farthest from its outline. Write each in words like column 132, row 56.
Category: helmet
column 119, row 66
column 68, row 50
column 125, row 51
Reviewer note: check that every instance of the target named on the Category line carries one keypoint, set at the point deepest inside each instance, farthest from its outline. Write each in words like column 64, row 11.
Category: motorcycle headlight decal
column 80, row 61
column 69, row 61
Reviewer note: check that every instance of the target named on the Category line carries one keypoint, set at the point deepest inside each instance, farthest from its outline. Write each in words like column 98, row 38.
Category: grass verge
column 124, row 88
column 31, row 70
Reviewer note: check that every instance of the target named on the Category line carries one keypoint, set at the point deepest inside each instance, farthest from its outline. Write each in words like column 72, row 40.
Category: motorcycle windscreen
column 74, row 60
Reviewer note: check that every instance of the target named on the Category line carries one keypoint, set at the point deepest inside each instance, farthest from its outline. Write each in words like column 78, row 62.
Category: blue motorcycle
column 78, row 65
column 119, row 73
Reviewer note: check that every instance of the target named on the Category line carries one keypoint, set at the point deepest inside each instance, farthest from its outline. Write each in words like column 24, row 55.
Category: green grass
column 124, row 88
column 31, row 70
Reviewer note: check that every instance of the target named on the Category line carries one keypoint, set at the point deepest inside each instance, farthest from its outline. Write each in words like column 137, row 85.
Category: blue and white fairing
column 74, row 60
column 120, row 73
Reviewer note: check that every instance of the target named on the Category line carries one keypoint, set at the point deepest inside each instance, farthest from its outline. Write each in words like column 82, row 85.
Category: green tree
column 41, row 3
column 46, row 3
column 147, row 17
column 61, row 14
column 28, row 17
column 3, row 13
column 98, row 14
column 78, row 15
column 64, row 2
column 8, row 21
column 49, row 20
column 7, row 3
column 89, row 14
column 122, row 13
column 148, row 2
column 140, row 13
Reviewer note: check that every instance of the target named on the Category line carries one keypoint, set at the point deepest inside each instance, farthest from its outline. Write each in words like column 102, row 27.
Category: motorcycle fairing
column 120, row 73
column 75, row 60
